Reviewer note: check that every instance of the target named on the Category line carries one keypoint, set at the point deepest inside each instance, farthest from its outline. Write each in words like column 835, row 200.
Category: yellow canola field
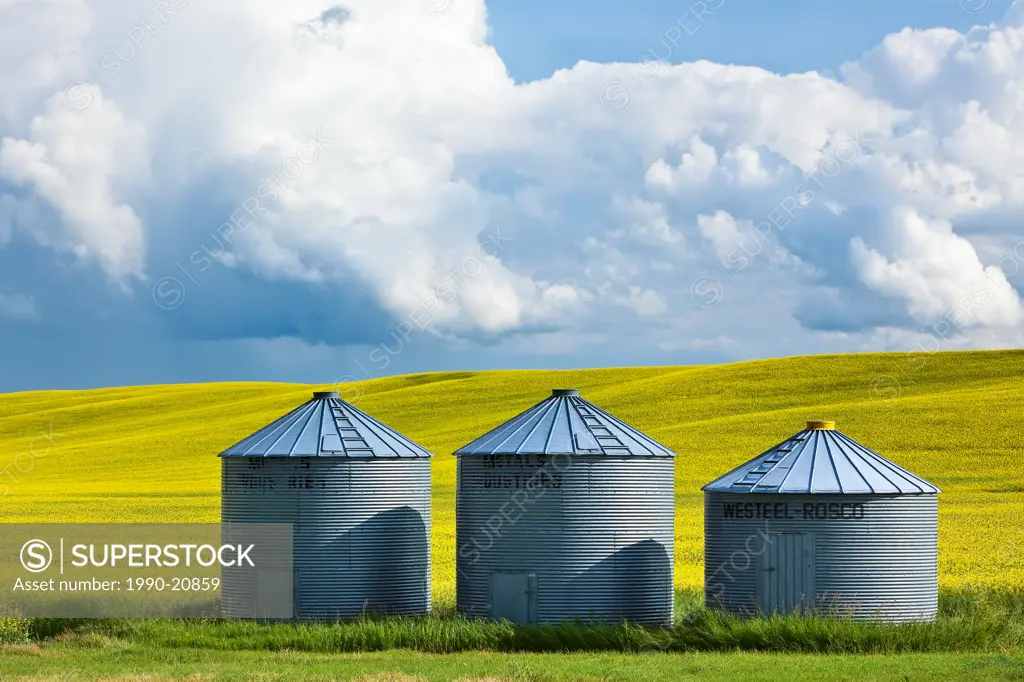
column 149, row 454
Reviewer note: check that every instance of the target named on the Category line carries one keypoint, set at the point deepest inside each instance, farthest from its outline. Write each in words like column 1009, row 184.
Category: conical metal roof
column 565, row 424
column 821, row 460
column 326, row 426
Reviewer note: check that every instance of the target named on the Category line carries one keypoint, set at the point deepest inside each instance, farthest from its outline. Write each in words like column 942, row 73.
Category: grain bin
column 565, row 513
column 358, row 496
column 822, row 521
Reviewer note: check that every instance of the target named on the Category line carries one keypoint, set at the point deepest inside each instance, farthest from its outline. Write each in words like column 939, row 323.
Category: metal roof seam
column 763, row 455
column 795, row 454
column 832, row 463
column 533, row 429
column 291, row 450
column 256, row 441
column 320, row 433
column 590, row 432
column 576, row 422
column 775, row 466
column 873, row 461
column 632, row 432
column 386, row 431
column 892, row 468
column 373, row 426
column 537, row 411
column 625, row 436
column 814, row 457
column 906, row 473
column 551, row 429
column 284, row 429
column 853, row 466
column 500, row 429
column 356, row 416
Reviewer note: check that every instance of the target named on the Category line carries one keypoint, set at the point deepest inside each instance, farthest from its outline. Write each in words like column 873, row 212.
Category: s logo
column 36, row 556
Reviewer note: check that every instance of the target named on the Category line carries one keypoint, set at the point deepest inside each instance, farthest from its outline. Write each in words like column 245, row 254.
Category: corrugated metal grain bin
column 822, row 521
column 358, row 496
column 565, row 513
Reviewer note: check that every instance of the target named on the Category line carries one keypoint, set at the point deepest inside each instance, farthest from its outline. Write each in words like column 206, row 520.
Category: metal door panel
column 514, row 597
column 786, row 573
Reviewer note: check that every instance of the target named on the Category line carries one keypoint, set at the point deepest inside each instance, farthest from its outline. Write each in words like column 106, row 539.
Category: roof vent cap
column 322, row 395
column 559, row 392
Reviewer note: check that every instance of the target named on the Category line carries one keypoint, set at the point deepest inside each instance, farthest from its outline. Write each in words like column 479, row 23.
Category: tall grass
column 14, row 630
column 986, row 621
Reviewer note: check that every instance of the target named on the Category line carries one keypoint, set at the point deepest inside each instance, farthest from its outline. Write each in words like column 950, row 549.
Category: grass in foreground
column 989, row 622
column 979, row 636
column 111, row 659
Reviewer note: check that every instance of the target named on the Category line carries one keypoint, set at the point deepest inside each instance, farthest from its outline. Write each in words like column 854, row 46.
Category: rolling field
column 148, row 454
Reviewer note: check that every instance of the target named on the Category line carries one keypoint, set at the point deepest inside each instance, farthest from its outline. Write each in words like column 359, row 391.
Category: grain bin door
column 786, row 573
column 514, row 597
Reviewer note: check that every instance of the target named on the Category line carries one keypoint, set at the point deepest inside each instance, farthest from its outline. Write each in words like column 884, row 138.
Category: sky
column 319, row 192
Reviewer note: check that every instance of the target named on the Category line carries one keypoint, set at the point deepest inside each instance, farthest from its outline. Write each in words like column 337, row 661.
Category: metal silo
column 565, row 513
column 358, row 496
column 822, row 521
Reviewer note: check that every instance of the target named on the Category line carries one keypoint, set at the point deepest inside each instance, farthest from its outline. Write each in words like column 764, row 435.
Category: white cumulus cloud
column 431, row 148
column 938, row 274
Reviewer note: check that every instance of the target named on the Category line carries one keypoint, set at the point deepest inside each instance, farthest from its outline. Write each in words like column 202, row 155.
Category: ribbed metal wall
column 880, row 562
column 596, row 531
column 361, row 528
